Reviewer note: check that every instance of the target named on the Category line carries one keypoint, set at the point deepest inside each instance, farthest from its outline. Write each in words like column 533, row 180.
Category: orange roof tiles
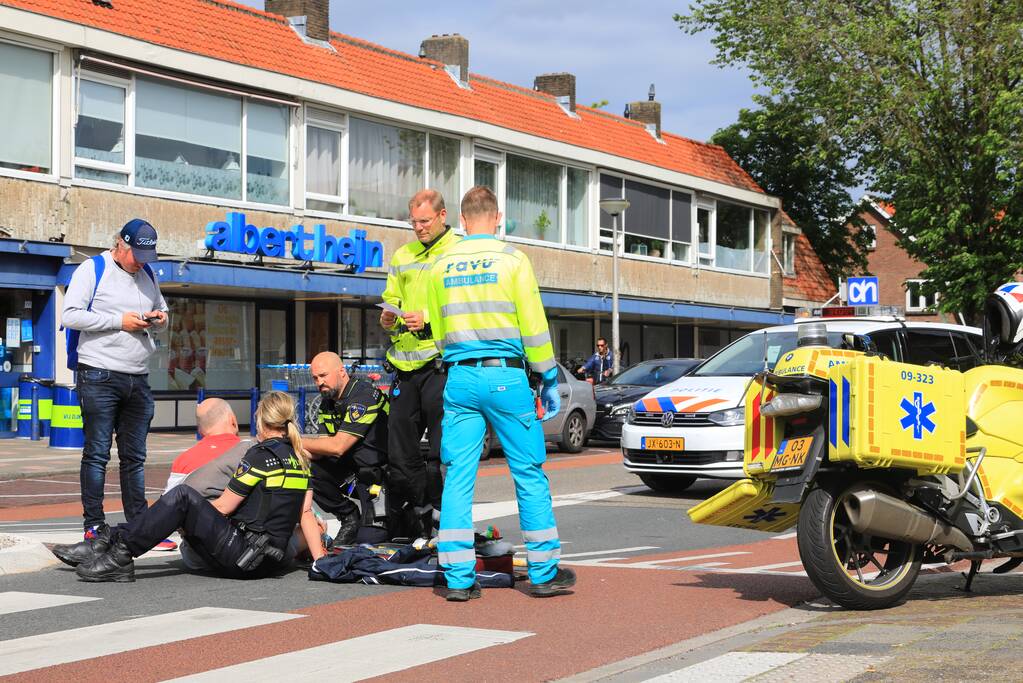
column 242, row 35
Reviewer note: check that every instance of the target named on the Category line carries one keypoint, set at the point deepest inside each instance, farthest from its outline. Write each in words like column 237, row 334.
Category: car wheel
column 667, row 483
column 485, row 453
column 573, row 434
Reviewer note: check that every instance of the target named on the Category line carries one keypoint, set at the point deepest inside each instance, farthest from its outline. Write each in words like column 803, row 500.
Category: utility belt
column 434, row 365
column 492, row 363
column 258, row 548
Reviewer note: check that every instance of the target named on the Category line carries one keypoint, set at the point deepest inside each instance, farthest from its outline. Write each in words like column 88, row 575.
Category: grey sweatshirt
column 103, row 344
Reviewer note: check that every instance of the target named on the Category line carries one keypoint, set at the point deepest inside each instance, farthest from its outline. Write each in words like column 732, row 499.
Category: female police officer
column 244, row 533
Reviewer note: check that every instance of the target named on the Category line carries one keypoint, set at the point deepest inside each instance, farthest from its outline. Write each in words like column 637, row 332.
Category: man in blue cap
column 114, row 303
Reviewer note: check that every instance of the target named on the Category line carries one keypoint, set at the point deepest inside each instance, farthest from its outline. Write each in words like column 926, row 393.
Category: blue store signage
column 235, row 235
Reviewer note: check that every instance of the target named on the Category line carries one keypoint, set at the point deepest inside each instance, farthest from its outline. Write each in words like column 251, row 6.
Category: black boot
column 349, row 528
column 114, row 565
column 75, row 554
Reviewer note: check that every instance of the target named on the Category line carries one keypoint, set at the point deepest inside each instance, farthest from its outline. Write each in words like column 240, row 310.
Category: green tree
column 788, row 154
column 925, row 95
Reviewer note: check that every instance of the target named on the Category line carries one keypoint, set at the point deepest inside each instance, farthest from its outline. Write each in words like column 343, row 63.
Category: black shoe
column 75, row 554
column 465, row 594
column 561, row 582
column 349, row 529
column 114, row 565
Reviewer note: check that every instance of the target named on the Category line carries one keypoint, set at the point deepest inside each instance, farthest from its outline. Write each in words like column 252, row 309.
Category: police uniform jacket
column 273, row 480
column 361, row 411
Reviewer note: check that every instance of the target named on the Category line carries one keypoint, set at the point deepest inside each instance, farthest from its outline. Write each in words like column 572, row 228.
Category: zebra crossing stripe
column 62, row 647
column 17, row 601
column 733, row 666
column 364, row 657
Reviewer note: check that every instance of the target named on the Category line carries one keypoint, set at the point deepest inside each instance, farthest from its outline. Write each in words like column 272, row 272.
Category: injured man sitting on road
column 244, row 533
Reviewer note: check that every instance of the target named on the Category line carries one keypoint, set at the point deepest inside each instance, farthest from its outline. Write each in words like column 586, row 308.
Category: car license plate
column 663, row 443
column 792, row 454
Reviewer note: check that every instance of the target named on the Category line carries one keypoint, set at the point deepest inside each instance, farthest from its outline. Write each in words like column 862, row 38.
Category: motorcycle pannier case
column 885, row 414
column 746, row 504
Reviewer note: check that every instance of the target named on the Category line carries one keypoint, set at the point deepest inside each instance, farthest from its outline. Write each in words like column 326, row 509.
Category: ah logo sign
column 240, row 237
column 862, row 291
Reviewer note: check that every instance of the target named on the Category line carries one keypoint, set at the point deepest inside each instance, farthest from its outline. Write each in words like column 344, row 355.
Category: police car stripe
column 36, row 652
column 367, row 656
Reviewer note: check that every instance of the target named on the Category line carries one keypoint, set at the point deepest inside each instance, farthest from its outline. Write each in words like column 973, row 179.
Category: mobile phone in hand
column 152, row 319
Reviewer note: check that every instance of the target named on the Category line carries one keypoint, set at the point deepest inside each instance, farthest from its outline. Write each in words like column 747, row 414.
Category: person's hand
column 387, row 319
column 550, row 400
column 413, row 320
column 132, row 322
column 156, row 314
column 607, row 373
column 580, row 370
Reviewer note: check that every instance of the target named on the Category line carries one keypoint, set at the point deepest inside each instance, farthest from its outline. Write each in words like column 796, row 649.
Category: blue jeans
column 501, row 396
column 113, row 402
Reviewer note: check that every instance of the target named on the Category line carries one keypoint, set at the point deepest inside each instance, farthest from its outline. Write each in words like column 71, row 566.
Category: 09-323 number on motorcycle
column 921, row 377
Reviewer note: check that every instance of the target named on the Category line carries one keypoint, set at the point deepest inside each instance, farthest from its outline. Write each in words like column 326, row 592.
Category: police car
column 693, row 428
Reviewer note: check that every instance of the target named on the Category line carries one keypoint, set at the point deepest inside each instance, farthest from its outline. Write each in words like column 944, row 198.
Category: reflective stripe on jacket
column 406, row 289
column 485, row 302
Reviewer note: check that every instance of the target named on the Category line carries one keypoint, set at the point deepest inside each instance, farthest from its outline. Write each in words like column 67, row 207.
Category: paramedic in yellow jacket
column 488, row 320
column 418, row 387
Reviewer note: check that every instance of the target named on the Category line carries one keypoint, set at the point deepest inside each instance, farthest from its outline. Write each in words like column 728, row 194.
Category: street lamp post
column 614, row 207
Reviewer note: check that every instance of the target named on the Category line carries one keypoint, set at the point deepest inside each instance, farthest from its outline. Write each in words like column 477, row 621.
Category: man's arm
column 536, row 336
column 333, row 446
column 434, row 293
column 364, row 405
column 393, row 295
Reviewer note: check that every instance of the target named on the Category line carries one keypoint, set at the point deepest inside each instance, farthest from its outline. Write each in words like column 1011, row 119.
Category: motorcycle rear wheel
column 855, row 570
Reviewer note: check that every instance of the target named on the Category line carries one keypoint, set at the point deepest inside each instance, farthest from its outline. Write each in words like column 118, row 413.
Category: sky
column 615, row 49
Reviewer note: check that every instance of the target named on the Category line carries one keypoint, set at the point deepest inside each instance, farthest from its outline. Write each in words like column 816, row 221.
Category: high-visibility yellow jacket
column 485, row 303
column 406, row 289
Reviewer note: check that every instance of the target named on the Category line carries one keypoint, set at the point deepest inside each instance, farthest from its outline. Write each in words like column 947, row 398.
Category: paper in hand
column 391, row 308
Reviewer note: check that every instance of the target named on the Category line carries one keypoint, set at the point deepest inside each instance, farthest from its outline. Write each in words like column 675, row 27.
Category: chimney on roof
column 560, row 85
column 450, row 50
column 647, row 112
column 313, row 15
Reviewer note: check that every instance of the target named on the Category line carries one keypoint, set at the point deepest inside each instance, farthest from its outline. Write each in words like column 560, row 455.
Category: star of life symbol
column 918, row 415
column 761, row 515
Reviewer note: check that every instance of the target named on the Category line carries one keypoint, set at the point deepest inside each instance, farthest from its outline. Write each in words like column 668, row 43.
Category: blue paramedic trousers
column 501, row 396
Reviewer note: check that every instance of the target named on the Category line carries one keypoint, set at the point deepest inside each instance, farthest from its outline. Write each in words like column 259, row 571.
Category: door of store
column 320, row 328
column 16, row 341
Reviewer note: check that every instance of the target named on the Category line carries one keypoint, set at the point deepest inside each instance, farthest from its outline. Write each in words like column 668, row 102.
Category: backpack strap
column 100, row 265
column 71, row 336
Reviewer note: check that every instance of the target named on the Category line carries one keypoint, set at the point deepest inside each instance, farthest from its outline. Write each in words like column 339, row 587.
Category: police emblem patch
column 355, row 411
column 243, row 467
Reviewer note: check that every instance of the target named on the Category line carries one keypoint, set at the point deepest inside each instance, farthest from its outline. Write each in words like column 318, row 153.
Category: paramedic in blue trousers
column 489, row 322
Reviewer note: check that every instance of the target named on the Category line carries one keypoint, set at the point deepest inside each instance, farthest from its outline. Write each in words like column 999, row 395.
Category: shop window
column 533, row 199
column 350, row 342
column 100, row 132
column 681, row 225
column 578, row 182
column 445, row 154
column 26, row 81
column 761, row 239
column 187, row 140
column 646, row 221
column 207, row 344
column 658, row 341
column 916, row 300
column 732, row 244
column 711, row 340
column 573, row 340
column 788, row 248
column 378, row 340
column 631, row 341
column 385, row 168
column 267, row 180
column 273, row 336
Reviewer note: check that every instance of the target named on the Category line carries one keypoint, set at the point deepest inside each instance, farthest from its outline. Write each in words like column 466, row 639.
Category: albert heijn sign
column 237, row 235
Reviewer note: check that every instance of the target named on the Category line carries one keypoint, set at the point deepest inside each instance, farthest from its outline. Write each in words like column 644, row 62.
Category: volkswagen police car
column 693, row 427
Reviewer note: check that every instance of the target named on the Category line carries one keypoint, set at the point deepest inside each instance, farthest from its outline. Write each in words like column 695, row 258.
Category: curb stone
column 20, row 554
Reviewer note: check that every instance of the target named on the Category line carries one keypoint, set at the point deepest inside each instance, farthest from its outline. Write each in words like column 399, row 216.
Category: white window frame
column 55, row 51
column 324, row 122
column 128, row 85
column 914, row 306
column 668, row 256
column 750, row 235
column 788, row 252
column 711, row 207
column 692, row 228
column 562, row 203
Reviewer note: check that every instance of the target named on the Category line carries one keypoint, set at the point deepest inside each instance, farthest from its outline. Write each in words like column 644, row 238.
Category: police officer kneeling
column 241, row 534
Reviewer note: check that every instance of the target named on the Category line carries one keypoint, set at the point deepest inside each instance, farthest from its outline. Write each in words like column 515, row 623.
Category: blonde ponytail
column 276, row 410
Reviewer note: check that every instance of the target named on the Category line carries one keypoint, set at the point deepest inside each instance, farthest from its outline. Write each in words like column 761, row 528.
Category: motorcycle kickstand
column 974, row 568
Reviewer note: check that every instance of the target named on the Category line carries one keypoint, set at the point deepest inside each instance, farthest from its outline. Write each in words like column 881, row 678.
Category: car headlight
column 732, row 417
column 630, row 413
column 620, row 410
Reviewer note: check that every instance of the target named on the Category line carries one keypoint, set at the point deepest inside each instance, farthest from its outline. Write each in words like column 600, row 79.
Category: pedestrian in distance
column 417, row 391
column 489, row 322
column 598, row 368
column 111, row 305
column 349, row 457
column 242, row 534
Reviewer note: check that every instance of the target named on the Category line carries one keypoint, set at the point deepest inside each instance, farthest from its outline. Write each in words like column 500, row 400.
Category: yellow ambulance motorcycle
column 883, row 466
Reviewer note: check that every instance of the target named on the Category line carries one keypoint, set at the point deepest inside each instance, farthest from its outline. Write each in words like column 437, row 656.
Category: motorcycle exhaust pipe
column 878, row 514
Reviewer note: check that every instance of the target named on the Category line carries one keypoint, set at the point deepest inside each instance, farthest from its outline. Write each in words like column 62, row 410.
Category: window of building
column 681, row 225
column 386, row 166
column 444, row 162
column 761, row 238
column 100, row 131
column 710, row 340
column 187, row 140
column 351, row 335
column 611, row 187
column 647, row 221
column 378, row 340
column 732, row 246
column 208, row 344
column 916, row 300
column 486, row 173
column 573, row 339
column 788, row 248
column 533, row 199
column 658, row 341
column 266, row 173
column 323, row 152
column 705, row 225
column 26, row 81
column 577, row 229
column 273, row 336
